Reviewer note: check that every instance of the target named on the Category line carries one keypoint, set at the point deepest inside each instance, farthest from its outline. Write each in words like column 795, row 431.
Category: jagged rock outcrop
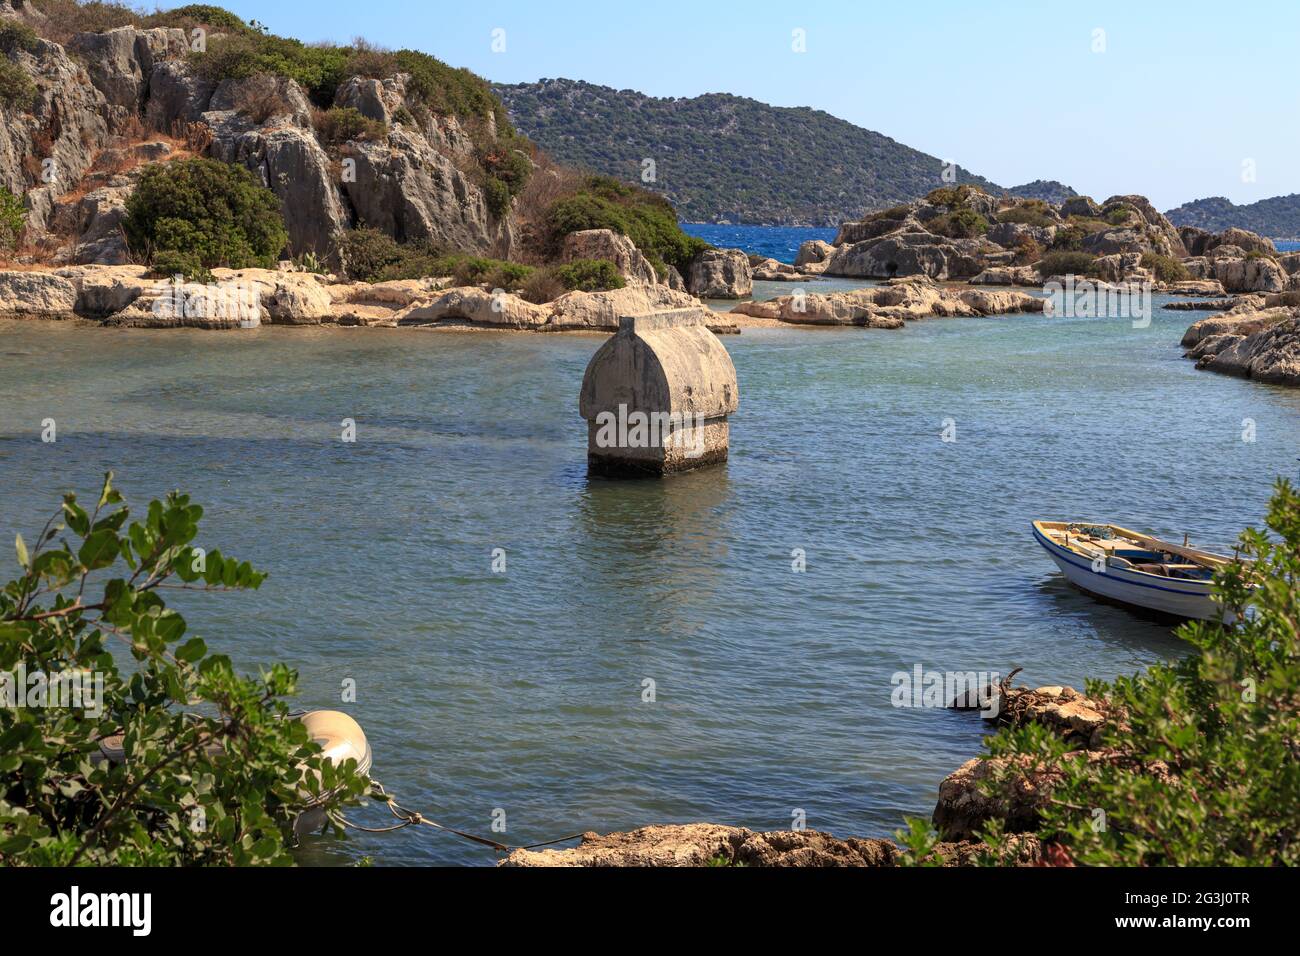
column 1261, row 345
column 406, row 188
column 121, row 63
column 720, row 274
column 917, row 253
column 176, row 95
column 1259, row 274
column 47, row 147
column 408, row 183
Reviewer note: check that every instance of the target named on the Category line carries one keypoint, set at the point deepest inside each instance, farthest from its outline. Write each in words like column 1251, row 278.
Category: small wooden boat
column 1123, row 566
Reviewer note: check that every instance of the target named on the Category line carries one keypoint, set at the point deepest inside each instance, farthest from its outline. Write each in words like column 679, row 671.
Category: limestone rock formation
column 889, row 305
column 573, row 311
column 813, row 253
column 767, row 269
column 1263, row 345
column 121, row 62
column 408, row 189
column 720, row 274
column 28, row 295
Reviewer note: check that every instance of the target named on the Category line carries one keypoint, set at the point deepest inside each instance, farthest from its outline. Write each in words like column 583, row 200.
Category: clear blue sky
column 1183, row 94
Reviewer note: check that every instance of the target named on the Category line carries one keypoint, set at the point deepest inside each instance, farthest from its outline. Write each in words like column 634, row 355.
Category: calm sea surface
column 523, row 691
column 779, row 242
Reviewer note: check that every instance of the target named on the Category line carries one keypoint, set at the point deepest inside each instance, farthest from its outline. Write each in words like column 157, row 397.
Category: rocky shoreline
column 971, row 796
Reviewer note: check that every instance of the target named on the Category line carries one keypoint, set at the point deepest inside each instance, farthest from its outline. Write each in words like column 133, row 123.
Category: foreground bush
column 198, row 214
column 1203, row 768
column 215, row 772
column 648, row 220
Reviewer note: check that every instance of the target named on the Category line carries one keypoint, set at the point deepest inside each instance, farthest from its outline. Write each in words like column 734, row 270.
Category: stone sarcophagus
column 656, row 397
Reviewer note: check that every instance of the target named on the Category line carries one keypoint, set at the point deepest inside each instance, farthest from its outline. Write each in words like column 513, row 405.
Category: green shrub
column 197, row 14
column 1027, row 214
column 497, row 195
column 450, row 91
column 1070, row 237
column 402, row 116
column 317, row 69
column 16, row 87
column 365, row 253
column 13, row 219
column 477, row 270
column 15, row 36
column 542, row 287
column 953, row 195
column 508, row 160
column 1120, row 215
column 893, row 212
column 589, row 275
column 206, row 214
column 177, row 262
column 1067, row 263
column 648, row 220
column 215, row 770
column 1165, row 268
column 339, row 124
column 961, row 223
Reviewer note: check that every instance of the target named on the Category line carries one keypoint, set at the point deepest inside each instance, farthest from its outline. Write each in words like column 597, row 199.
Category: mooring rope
column 413, row 817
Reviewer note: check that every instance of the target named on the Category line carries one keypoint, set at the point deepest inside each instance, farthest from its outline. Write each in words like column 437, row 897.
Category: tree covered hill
column 1048, row 190
column 727, row 158
column 1278, row 217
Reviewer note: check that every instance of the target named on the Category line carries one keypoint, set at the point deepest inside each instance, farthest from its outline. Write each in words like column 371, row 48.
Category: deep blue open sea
column 779, row 242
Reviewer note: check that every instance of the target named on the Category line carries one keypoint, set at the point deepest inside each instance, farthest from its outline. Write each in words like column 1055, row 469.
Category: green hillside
column 1277, row 218
column 726, row 158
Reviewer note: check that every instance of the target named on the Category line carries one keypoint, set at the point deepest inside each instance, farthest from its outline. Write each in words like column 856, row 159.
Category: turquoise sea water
column 523, row 691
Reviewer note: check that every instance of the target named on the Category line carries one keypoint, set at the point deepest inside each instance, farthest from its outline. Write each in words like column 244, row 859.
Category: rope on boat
column 413, row 817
